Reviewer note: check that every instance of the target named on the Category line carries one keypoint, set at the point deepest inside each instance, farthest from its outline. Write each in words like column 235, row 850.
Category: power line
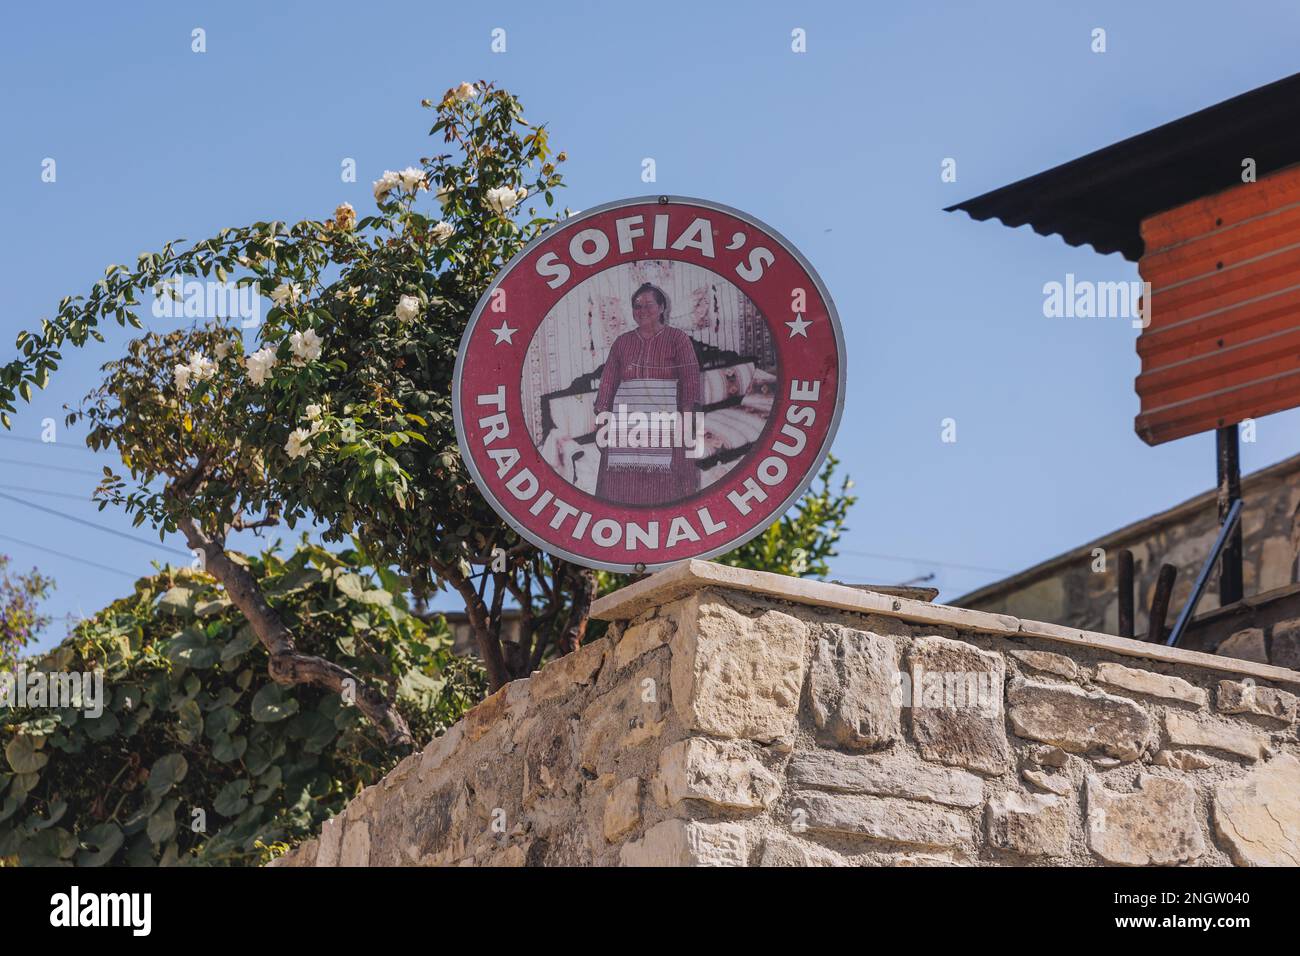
column 69, row 557
column 97, row 527
column 926, row 561
column 41, row 464
column 55, row 494
column 50, row 444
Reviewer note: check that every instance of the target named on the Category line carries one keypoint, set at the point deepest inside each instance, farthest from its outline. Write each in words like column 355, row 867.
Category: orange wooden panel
column 1222, row 249
column 1228, row 287
column 1201, row 216
column 1185, row 337
column 1224, row 340
column 1219, row 409
column 1222, row 369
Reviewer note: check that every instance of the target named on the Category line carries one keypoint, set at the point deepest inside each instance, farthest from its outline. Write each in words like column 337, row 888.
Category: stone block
column 827, row 770
column 1184, row 760
column 1257, row 816
column 622, row 809
column 331, row 841
column 957, row 704
column 1148, row 682
column 1246, row 645
column 736, row 676
column 1079, row 722
column 1154, row 826
column 720, row 772
column 688, row 843
column 882, row 818
column 1186, row 731
column 782, row 850
column 641, row 639
column 1057, row 783
column 356, row 845
column 852, row 683
column 1049, row 663
column 1028, row 824
column 1286, row 644
column 565, row 675
column 1246, row 697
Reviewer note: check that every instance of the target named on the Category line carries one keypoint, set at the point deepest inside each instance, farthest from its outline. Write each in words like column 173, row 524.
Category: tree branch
column 286, row 665
column 489, row 644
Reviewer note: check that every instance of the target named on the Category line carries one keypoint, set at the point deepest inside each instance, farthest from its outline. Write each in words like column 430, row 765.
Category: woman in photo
column 651, row 369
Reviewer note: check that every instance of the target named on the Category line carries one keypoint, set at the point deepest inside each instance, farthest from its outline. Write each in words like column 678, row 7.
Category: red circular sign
column 654, row 380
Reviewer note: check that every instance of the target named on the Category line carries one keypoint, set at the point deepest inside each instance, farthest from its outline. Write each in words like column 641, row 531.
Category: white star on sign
column 799, row 326
column 503, row 334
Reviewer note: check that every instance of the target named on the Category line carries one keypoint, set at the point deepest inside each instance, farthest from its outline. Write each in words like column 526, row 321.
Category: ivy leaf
column 99, row 844
column 23, row 756
column 270, row 705
column 167, row 772
column 230, row 800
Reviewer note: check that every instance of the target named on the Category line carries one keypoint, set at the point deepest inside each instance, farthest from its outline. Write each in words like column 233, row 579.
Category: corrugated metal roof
column 1101, row 198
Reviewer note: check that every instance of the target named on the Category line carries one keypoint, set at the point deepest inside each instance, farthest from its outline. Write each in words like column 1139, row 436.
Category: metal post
column 1160, row 603
column 1124, row 572
column 1230, row 572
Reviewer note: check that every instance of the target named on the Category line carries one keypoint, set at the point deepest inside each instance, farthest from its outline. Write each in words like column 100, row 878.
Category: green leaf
column 243, row 642
column 53, row 847
column 189, row 724
column 270, row 705
column 230, row 800
column 167, row 772
column 23, row 756
column 178, row 600
column 162, row 823
column 229, row 749
column 99, row 844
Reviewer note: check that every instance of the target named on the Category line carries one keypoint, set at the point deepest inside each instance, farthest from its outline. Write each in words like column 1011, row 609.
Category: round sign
column 653, row 380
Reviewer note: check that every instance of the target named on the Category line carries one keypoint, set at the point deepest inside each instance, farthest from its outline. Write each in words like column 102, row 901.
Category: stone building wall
column 1068, row 590
column 741, row 718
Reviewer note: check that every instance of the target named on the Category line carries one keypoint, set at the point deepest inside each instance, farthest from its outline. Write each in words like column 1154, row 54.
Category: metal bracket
column 1225, row 532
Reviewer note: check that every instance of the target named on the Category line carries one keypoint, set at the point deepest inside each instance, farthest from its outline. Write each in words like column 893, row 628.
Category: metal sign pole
column 1230, row 573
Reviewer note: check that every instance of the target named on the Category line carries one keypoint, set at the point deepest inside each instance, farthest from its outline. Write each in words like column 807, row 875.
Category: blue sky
column 839, row 148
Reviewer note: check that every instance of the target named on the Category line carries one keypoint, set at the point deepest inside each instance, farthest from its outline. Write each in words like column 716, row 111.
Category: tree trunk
column 287, row 666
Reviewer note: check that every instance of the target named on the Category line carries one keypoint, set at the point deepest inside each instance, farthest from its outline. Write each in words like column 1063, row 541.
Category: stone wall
column 1069, row 590
column 742, row 718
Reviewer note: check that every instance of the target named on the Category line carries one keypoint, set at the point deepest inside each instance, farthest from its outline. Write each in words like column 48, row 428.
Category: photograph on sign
column 652, row 381
column 619, row 403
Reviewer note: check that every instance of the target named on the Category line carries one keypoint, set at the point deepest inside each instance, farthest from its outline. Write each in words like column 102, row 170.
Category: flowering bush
column 340, row 412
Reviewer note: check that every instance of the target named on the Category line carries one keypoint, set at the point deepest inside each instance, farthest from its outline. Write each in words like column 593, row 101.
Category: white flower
column 182, row 373
column 298, row 443
column 225, row 348
column 260, row 364
column 466, row 91
column 313, row 413
column 306, row 346
column 202, row 367
column 502, row 198
column 413, row 179
column 384, row 183
column 286, row 293
column 442, row 231
column 443, row 194
column 408, row 308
